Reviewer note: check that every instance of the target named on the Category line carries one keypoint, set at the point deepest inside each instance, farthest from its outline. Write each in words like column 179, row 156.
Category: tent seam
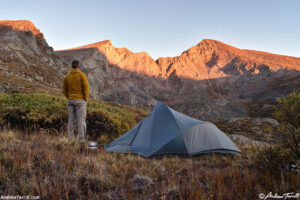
column 176, row 125
column 136, row 133
column 173, row 117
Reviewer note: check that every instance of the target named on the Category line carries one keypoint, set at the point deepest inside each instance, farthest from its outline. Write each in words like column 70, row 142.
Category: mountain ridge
column 209, row 81
column 203, row 48
column 109, row 43
column 210, row 77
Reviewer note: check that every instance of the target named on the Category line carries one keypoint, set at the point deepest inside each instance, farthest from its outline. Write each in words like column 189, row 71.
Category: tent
column 167, row 132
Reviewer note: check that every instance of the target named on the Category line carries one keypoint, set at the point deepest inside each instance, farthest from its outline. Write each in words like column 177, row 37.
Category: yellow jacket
column 76, row 85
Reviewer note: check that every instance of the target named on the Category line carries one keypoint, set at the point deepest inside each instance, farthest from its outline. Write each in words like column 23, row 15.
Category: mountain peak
column 101, row 43
column 214, row 44
column 21, row 25
column 104, row 43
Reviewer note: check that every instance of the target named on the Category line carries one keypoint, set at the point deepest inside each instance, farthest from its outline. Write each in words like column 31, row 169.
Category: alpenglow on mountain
column 211, row 80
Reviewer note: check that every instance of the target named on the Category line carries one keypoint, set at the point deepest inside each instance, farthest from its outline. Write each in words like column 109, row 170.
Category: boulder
column 242, row 140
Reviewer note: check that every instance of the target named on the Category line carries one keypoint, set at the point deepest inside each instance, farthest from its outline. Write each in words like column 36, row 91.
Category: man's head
column 75, row 64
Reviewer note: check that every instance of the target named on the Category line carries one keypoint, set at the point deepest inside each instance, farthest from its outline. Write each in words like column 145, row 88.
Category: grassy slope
column 46, row 165
column 33, row 112
column 43, row 163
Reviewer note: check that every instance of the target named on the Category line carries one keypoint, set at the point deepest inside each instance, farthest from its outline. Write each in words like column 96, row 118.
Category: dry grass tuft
column 46, row 165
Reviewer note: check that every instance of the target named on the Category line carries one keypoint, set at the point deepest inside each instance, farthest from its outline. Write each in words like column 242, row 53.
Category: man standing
column 76, row 89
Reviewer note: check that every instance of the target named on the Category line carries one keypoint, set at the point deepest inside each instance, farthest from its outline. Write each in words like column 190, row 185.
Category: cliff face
column 210, row 80
column 27, row 62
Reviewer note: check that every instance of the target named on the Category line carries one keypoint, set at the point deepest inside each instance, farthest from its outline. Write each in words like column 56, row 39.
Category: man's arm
column 86, row 89
column 65, row 88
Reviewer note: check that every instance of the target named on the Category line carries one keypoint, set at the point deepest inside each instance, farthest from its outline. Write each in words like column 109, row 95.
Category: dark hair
column 75, row 64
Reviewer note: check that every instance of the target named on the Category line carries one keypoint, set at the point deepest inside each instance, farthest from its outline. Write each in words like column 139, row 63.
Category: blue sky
column 163, row 27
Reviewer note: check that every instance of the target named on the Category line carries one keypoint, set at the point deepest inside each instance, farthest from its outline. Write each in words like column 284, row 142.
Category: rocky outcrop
column 27, row 62
column 242, row 140
column 211, row 80
column 247, row 131
column 251, row 131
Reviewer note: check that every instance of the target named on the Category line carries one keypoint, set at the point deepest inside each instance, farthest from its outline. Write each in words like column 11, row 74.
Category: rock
column 238, row 119
column 242, row 140
column 259, row 121
column 257, row 129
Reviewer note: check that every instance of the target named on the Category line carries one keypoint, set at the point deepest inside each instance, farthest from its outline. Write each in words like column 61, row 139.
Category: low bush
column 32, row 112
column 286, row 149
column 271, row 159
column 288, row 114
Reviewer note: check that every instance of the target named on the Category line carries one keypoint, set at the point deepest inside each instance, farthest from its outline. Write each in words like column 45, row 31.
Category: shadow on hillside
column 183, row 94
column 132, row 88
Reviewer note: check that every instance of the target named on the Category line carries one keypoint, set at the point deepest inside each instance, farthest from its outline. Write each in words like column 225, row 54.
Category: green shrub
column 35, row 111
column 288, row 114
column 287, row 148
column 288, row 111
column 272, row 159
column 119, row 119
